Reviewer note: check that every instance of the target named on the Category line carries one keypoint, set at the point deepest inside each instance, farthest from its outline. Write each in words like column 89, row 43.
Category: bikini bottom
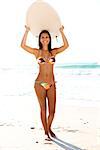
column 45, row 85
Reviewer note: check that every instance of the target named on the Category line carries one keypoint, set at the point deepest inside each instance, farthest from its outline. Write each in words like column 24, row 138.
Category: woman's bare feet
column 52, row 133
column 47, row 137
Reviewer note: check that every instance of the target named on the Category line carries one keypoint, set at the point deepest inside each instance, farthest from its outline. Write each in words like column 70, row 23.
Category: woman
column 45, row 83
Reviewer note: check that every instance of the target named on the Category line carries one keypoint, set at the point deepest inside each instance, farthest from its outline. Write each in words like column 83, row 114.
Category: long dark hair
column 40, row 44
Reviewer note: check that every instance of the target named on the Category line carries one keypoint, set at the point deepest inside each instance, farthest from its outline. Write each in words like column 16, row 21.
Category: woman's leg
column 51, row 95
column 41, row 95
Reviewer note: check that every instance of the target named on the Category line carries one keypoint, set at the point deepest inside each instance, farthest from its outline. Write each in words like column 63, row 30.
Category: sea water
column 77, row 84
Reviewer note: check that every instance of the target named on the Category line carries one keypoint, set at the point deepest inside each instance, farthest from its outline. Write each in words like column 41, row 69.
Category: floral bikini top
column 43, row 60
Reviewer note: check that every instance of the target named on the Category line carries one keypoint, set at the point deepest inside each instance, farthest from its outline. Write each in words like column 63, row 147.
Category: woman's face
column 44, row 39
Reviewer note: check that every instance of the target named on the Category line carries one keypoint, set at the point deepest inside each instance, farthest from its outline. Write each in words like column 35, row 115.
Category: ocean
column 77, row 84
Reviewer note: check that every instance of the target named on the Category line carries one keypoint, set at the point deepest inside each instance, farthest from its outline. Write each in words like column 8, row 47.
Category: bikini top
column 43, row 60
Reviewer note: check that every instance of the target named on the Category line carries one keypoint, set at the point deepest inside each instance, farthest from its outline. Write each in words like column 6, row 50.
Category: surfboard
column 42, row 16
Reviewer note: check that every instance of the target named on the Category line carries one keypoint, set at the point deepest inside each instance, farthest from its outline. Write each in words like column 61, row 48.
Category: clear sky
column 81, row 19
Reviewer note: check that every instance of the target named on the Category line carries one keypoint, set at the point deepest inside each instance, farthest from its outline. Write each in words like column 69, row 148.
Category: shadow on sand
column 65, row 145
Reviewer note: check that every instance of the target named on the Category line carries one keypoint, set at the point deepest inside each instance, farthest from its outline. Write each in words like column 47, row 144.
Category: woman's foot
column 52, row 133
column 47, row 137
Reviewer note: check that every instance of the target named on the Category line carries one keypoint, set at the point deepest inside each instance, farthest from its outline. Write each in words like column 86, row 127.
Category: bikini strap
column 51, row 54
column 39, row 53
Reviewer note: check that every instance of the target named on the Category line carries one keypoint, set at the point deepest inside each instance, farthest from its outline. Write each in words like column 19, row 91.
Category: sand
column 76, row 127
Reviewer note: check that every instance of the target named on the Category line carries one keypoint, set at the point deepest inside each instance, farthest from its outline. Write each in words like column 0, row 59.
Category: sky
column 81, row 20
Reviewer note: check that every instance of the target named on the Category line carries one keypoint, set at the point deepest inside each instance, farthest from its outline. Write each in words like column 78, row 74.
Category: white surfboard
column 42, row 16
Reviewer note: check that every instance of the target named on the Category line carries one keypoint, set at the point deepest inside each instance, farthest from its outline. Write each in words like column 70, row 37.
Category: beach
column 76, row 123
column 77, row 75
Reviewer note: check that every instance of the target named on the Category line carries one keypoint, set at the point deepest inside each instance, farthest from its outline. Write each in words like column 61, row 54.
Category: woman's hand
column 61, row 28
column 27, row 28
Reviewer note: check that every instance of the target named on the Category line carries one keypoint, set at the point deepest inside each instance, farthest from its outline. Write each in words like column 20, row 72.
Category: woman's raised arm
column 65, row 42
column 23, row 43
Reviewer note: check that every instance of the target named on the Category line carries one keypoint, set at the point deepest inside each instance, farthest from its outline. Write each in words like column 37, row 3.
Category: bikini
column 42, row 60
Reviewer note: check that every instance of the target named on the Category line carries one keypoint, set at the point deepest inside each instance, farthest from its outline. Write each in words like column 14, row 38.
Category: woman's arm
column 23, row 43
column 65, row 42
